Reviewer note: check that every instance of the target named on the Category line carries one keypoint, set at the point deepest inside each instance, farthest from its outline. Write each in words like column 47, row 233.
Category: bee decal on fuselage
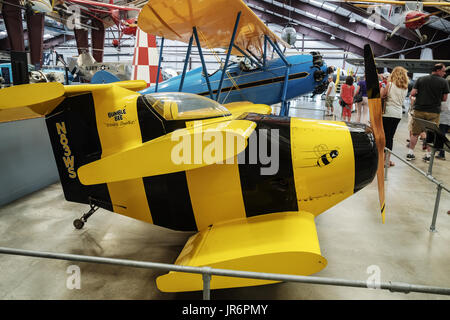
column 326, row 158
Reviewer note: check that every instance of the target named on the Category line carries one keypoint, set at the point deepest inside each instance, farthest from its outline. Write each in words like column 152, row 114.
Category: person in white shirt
column 444, row 120
column 395, row 92
column 329, row 96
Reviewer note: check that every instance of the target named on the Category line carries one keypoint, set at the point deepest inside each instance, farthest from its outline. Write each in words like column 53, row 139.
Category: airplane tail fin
column 71, row 114
column 145, row 59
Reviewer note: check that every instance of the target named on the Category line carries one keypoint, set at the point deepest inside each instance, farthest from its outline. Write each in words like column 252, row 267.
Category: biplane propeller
column 249, row 183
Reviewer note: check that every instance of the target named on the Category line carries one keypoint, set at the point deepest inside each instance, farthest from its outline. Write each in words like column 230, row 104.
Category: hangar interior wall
column 26, row 159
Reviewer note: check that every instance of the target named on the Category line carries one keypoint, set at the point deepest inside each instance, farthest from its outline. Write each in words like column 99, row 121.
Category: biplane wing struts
column 241, row 33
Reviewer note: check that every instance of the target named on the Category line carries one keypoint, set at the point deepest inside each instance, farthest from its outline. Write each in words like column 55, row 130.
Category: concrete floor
column 351, row 237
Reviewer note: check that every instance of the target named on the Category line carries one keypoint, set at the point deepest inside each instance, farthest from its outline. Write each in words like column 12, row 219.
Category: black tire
column 78, row 224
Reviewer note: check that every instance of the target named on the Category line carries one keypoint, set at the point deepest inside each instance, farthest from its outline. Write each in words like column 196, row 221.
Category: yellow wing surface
column 238, row 108
column 283, row 242
column 181, row 150
column 35, row 100
column 214, row 19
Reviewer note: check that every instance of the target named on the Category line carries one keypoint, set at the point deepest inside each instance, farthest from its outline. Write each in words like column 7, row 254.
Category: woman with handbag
column 394, row 95
column 346, row 100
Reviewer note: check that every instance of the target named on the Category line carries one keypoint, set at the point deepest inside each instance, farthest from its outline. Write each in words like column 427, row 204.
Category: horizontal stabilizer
column 181, row 150
column 27, row 101
column 283, row 243
column 133, row 85
column 35, row 100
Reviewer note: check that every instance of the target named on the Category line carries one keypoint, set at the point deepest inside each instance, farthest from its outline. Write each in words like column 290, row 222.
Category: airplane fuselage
column 290, row 164
column 262, row 85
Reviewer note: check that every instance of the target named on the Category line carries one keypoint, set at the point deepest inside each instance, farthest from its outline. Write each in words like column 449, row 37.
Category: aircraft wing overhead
column 215, row 19
column 412, row 65
column 102, row 4
column 282, row 242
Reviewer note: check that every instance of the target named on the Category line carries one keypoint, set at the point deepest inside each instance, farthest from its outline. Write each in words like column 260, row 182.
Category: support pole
column 230, row 47
column 265, row 52
column 277, row 49
column 391, row 286
column 440, row 186
column 206, row 283
column 285, row 106
column 35, row 23
column 98, row 39
column 188, row 54
column 430, row 166
column 159, row 64
column 12, row 15
column 436, row 208
column 205, row 71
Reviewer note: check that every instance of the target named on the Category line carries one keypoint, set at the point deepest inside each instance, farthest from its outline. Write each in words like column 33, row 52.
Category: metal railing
column 207, row 272
column 440, row 185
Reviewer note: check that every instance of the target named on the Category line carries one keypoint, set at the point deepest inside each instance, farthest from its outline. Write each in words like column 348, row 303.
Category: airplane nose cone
column 365, row 154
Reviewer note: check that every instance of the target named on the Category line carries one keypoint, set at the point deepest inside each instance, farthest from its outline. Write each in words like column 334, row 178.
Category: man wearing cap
column 429, row 92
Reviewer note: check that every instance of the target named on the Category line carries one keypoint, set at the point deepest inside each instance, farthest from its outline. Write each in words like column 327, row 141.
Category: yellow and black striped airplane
column 252, row 205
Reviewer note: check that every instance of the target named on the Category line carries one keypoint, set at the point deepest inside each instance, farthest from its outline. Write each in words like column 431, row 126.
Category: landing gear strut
column 79, row 223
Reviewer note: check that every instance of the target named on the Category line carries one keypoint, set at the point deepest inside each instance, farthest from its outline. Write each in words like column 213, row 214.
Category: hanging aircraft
column 123, row 17
column 85, row 66
column 405, row 14
column 248, row 182
column 255, row 78
column 412, row 65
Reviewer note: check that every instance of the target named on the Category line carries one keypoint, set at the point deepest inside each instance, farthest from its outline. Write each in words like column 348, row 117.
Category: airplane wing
column 412, row 65
column 284, row 242
column 27, row 101
column 162, row 155
column 102, row 4
column 240, row 107
column 214, row 20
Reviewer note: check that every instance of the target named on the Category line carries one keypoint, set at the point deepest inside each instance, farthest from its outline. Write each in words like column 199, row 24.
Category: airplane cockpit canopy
column 185, row 106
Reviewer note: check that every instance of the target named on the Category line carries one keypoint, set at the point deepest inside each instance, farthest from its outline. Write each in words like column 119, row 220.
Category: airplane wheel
column 78, row 224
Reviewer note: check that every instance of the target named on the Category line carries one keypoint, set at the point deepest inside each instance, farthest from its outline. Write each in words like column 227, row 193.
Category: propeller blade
column 373, row 94
column 421, row 17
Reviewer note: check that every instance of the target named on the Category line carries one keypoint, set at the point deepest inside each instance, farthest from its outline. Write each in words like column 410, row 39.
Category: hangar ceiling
column 339, row 24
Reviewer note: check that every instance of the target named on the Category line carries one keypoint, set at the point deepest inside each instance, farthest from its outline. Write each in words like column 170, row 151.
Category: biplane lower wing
column 284, row 242
column 238, row 108
column 174, row 152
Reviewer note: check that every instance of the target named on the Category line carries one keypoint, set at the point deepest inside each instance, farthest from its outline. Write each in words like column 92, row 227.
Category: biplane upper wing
column 214, row 20
column 283, row 242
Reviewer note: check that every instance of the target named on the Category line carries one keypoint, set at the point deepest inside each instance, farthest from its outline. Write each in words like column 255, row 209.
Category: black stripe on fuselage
column 276, row 192
column 78, row 115
column 365, row 154
column 259, row 83
column 167, row 194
